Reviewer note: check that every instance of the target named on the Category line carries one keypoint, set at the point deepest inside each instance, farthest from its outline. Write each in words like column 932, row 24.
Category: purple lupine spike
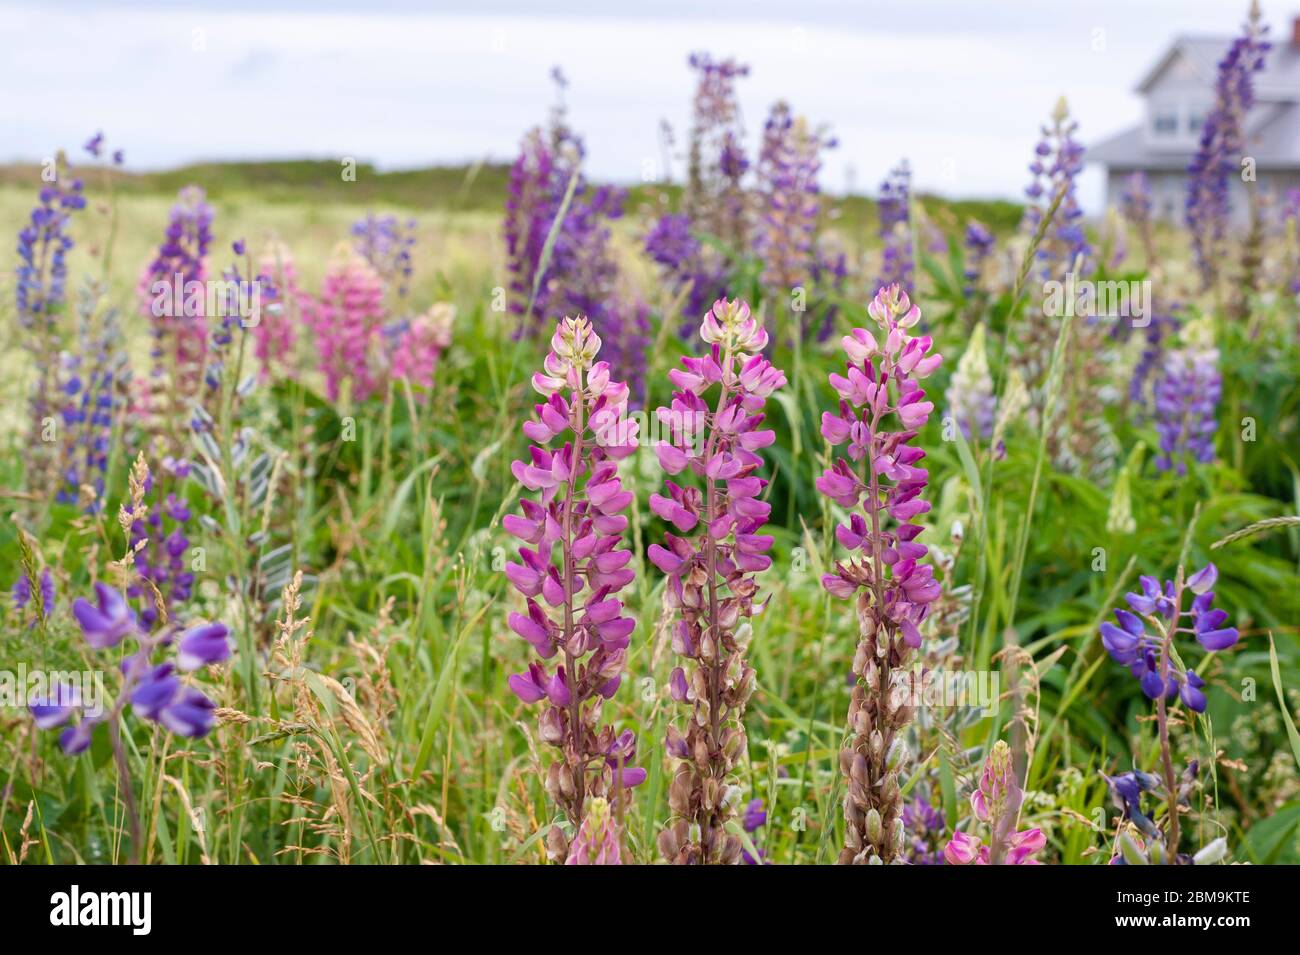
column 1136, row 206
column 1058, row 160
column 160, row 540
column 573, row 561
column 882, row 476
column 895, row 212
column 385, row 241
column 925, row 824
column 1222, row 146
column 1187, row 401
column 980, row 244
column 789, row 202
column 711, row 557
column 1143, row 641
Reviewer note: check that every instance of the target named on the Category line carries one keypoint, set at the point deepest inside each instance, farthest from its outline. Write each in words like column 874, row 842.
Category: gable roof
column 1278, row 81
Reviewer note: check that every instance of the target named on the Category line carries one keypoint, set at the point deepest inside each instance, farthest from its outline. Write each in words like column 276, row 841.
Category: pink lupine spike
column 893, row 590
column 578, row 570
column 710, row 585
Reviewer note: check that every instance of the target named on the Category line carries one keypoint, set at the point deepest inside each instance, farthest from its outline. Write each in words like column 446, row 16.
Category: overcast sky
column 957, row 86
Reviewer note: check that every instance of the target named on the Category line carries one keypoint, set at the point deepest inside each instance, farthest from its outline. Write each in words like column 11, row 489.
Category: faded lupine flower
column 1119, row 515
column 422, row 343
column 882, row 476
column 980, row 245
column 970, row 393
column 1148, row 655
column 1136, row 205
column 386, row 243
column 597, row 841
column 789, row 202
column 1222, row 147
column 347, row 323
column 285, row 307
column 577, row 508
column 996, row 803
column 895, row 210
column 711, row 588
column 1187, row 400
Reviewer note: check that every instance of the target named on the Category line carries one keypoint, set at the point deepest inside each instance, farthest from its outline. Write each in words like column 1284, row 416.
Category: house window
column 1165, row 121
column 1195, row 120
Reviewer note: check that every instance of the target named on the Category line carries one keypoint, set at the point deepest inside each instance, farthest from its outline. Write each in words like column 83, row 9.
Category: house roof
column 1279, row 79
column 1272, row 128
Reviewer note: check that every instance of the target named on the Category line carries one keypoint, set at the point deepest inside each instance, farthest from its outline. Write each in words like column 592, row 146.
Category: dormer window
column 1164, row 121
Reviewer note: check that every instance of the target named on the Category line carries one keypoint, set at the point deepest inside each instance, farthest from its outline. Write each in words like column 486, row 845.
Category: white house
column 1179, row 93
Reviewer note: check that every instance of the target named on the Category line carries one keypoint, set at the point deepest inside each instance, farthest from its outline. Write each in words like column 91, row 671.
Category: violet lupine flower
column 686, row 265
column 91, row 381
column 1136, row 206
column 1187, row 401
column 598, row 838
column 1126, row 793
column 1058, row 159
column 979, row 244
column 155, row 693
column 627, row 335
column 711, row 586
column 40, row 287
column 21, row 592
column 996, row 803
column 160, row 542
column 881, row 476
column 830, row 277
column 578, row 507
column 347, row 323
column 714, row 198
column 172, row 294
column 1148, row 656
column 1223, row 144
column 753, row 819
column 971, row 402
column 789, row 202
column 895, row 211
column 386, row 243
column 924, row 823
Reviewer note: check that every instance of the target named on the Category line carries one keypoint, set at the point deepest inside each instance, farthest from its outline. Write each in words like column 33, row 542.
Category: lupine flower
column 91, row 378
column 285, row 306
column 882, row 476
column 686, row 265
column 830, row 276
column 1147, row 654
column 789, row 202
column 1187, row 400
column 40, row 285
column 1058, row 159
column 160, row 542
column 175, row 307
column 422, row 343
column 1223, row 144
column 577, row 512
column 996, row 803
column 979, row 244
column 924, row 823
column 1126, row 793
column 347, row 324
column 1136, row 205
column 753, row 819
column 597, row 841
column 714, row 200
column 22, row 595
column 107, row 621
column 895, row 211
column 971, row 402
column 386, row 244
column 711, row 587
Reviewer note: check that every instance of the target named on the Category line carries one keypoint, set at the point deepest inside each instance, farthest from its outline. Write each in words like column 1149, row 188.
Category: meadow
column 305, row 515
